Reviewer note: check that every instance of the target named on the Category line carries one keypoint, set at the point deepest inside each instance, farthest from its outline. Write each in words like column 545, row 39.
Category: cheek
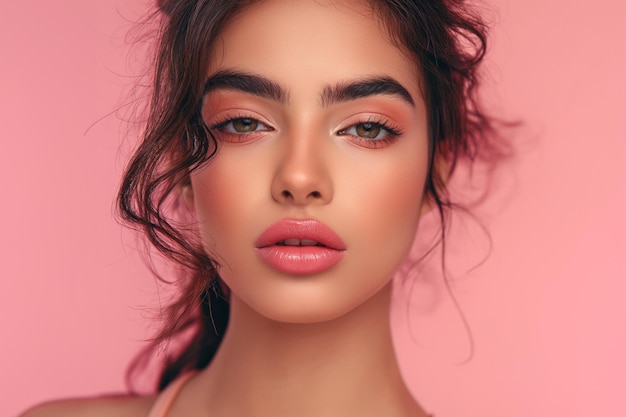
column 391, row 194
column 223, row 196
column 383, row 211
column 232, row 199
column 395, row 216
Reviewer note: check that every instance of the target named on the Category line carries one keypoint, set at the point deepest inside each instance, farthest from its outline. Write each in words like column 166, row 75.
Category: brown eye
column 244, row 125
column 241, row 126
column 371, row 134
column 368, row 130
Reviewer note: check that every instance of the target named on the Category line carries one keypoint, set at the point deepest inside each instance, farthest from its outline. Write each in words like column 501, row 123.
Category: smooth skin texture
column 298, row 163
column 317, row 345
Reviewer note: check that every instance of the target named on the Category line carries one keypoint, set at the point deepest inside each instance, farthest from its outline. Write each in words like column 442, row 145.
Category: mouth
column 295, row 232
column 300, row 247
column 299, row 242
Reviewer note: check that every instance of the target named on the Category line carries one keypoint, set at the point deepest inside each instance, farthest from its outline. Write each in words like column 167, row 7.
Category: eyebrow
column 248, row 83
column 363, row 88
column 344, row 91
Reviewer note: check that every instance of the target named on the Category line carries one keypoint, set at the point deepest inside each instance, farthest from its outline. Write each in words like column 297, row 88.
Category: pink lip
column 300, row 260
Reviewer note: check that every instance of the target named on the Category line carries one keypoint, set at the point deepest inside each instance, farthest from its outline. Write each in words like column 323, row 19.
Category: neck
column 345, row 366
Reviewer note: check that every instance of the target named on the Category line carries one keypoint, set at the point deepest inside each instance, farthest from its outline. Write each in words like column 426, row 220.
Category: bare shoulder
column 94, row 407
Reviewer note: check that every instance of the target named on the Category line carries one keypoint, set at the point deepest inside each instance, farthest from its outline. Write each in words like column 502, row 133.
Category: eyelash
column 238, row 136
column 393, row 131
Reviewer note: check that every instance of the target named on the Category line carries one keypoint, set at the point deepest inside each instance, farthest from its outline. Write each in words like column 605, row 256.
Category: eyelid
column 382, row 127
column 384, row 121
column 220, row 125
column 394, row 130
column 230, row 115
column 223, row 118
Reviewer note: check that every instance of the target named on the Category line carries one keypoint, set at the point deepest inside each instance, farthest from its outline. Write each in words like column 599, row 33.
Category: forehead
column 311, row 43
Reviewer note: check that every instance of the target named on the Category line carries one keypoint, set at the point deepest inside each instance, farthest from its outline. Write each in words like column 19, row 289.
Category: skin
column 367, row 191
column 316, row 345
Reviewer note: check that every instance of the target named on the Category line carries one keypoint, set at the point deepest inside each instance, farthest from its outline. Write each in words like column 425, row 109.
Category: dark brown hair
column 446, row 38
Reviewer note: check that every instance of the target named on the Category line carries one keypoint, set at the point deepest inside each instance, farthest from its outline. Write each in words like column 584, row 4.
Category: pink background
column 547, row 311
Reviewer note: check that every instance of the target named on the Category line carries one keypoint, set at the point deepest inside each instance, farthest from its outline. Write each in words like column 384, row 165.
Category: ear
column 188, row 196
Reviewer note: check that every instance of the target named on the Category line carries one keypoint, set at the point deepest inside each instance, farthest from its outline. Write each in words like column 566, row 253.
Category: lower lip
column 299, row 260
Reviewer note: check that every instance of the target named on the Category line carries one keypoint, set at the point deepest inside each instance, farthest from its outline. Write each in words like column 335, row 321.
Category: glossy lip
column 300, row 260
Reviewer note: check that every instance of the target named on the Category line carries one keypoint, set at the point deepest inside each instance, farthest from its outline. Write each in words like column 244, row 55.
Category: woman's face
column 320, row 121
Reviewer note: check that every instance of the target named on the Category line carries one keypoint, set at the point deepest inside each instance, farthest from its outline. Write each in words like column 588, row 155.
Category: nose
column 302, row 176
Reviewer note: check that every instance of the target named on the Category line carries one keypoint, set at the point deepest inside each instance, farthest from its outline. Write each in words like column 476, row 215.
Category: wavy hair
column 447, row 40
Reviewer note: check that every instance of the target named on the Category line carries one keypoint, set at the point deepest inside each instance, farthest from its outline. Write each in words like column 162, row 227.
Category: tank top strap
column 167, row 397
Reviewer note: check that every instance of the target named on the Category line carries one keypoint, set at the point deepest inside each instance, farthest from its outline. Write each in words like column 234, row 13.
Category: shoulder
column 94, row 407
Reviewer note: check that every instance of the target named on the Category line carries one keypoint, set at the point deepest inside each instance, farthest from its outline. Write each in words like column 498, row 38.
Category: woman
column 303, row 141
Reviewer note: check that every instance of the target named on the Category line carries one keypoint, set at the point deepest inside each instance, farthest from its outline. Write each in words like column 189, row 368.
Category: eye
column 241, row 125
column 240, row 129
column 368, row 130
column 374, row 131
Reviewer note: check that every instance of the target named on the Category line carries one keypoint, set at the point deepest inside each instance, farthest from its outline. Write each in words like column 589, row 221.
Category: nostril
column 287, row 195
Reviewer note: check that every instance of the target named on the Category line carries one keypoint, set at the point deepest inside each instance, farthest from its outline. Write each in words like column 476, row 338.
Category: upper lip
column 309, row 229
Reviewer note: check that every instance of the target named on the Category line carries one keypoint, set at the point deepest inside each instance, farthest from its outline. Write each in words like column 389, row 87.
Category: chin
column 307, row 315
column 311, row 302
